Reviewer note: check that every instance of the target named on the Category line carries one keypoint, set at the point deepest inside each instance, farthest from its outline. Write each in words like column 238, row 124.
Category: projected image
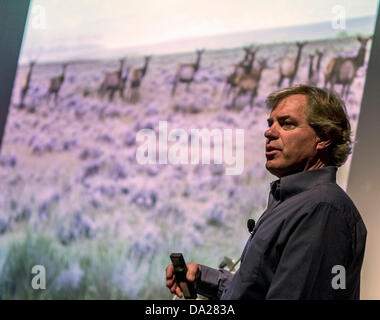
column 136, row 130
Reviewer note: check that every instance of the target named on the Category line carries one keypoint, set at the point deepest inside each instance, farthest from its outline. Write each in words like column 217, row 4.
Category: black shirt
column 308, row 244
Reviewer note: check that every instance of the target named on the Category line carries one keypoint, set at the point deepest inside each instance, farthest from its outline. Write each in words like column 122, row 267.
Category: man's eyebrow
column 284, row 117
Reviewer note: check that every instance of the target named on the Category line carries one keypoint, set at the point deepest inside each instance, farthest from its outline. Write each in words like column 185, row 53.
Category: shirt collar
column 293, row 184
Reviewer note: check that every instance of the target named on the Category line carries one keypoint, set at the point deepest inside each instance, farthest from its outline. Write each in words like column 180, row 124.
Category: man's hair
column 326, row 114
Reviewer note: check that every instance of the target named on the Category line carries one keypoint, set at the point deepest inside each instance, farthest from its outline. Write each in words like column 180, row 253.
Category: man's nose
column 271, row 132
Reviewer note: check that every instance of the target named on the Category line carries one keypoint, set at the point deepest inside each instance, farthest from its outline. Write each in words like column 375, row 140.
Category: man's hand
column 193, row 273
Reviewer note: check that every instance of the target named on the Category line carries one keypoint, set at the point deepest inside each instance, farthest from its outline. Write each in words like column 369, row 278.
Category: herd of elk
column 117, row 81
column 243, row 79
column 55, row 84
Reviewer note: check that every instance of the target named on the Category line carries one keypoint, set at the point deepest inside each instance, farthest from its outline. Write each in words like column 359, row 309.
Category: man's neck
column 317, row 164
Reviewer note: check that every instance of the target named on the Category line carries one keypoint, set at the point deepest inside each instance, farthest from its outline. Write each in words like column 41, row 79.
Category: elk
column 114, row 81
column 313, row 75
column 343, row 70
column 186, row 72
column 243, row 67
column 56, row 83
column 136, row 76
column 250, row 82
column 289, row 66
column 26, row 85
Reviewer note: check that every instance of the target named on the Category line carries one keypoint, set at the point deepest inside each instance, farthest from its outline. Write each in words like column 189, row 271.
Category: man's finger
column 179, row 292
column 193, row 271
column 169, row 271
column 170, row 282
column 176, row 289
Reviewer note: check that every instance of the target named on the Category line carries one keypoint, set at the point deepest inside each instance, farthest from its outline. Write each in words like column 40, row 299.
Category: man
column 310, row 241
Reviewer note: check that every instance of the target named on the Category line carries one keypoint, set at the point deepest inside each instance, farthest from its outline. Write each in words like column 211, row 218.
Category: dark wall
column 13, row 16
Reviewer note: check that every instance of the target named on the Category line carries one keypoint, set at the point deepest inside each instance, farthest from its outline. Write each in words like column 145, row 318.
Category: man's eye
column 288, row 125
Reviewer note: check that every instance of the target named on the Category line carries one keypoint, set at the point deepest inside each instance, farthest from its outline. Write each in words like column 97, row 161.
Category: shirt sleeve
column 316, row 241
column 212, row 282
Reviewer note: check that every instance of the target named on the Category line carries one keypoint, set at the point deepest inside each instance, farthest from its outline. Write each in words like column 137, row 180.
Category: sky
column 112, row 24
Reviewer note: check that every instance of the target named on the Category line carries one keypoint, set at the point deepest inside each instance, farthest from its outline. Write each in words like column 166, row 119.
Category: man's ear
column 323, row 143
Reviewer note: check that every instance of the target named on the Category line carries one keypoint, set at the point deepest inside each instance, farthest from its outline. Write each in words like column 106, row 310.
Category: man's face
column 291, row 144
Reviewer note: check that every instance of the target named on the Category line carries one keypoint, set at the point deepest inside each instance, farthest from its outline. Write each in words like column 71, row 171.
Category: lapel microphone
column 251, row 225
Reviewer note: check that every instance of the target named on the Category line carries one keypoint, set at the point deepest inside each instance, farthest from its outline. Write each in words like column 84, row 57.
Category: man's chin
column 273, row 169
